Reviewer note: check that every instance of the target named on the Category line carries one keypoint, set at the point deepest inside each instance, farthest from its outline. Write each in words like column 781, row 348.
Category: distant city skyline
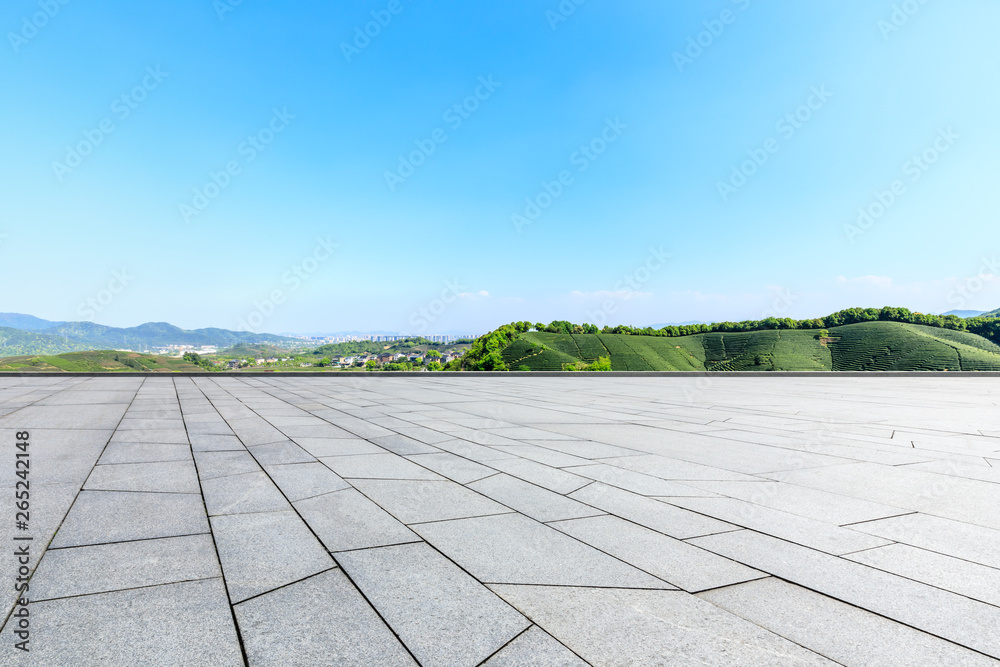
column 423, row 168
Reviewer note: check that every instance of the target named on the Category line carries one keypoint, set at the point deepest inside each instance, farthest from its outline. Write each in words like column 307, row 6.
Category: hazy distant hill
column 26, row 322
column 967, row 313
column 75, row 336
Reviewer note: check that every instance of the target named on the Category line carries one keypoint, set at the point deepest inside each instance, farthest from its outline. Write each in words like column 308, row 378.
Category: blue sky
column 270, row 166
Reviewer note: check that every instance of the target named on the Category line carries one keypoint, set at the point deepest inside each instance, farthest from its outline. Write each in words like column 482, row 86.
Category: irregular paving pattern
column 462, row 520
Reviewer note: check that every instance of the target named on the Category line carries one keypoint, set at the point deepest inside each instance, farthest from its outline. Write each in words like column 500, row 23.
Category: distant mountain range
column 967, row 313
column 26, row 335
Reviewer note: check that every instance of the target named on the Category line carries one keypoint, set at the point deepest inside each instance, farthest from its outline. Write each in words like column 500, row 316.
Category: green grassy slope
column 102, row 361
column 867, row 346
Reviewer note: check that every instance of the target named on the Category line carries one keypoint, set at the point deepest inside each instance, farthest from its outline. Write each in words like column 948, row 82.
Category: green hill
column 73, row 336
column 101, row 361
column 867, row 346
column 887, row 339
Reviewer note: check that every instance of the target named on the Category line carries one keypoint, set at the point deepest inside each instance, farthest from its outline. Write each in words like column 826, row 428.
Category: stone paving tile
column 444, row 616
column 946, row 536
column 807, row 532
column 320, row 447
column 677, row 562
column 534, row 501
column 242, row 494
column 535, row 647
column 841, row 632
column 649, row 512
column 215, row 464
column 280, row 452
column 215, row 443
column 511, row 548
column 163, row 477
column 635, row 627
column 675, row 469
column 952, row 574
column 402, row 445
column 176, row 436
column 346, row 520
column 305, row 480
column 98, row 517
column 811, row 503
column 636, row 482
column 453, row 467
column 183, row 624
column 545, row 476
column 413, row 501
column 940, row 495
column 143, row 452
column 378, row 466
column 473, row 451
column 938, row 612
column 322, row 620
column 260, row 552
column 111, row 567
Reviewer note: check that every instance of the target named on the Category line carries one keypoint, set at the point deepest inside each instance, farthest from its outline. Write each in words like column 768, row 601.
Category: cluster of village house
column 349, row 362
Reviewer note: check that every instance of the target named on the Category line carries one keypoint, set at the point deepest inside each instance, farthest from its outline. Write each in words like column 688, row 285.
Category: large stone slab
column 413, row 501
column 682, row 564
column 630, row 627
column 511, row 548
column 260, row 552
column 186, row 623
column 110, row 567
column 938, row 612
column 98, row 517
column 320, row 620
column 444, row 616
column 841, row 632
column 346, row 520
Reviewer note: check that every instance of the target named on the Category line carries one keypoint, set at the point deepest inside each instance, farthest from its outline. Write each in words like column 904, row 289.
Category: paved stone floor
column 446, row 520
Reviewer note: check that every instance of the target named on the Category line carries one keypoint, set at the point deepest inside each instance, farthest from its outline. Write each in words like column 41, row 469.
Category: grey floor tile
column 378, row 466
column 679, row 563
column 535, row 647
column 947, row 615
column 320, row 447
column 808, row 532
column 260, row 552
column 972, row 580
column 346, row 520
column 534, row 501
column 305, row 480
column 184, row 624
column 215, row 464
column 414, row 501
column 841, row 632
column 242, row 494
column 143, row 452
column 215, row 443
column 545, row 476
column 159, row 435
column 453, row 467
column 510, row 548
column 322, row 620
column 635, row 482
column 946, row 536
column 675, row 469
column 164, row 477
column 112, row 516
column 280, row 452
column 403, row 445
column 110, row 567
column 444, row 616
column 814, row 504
column 659, row 516
column 631, row 627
